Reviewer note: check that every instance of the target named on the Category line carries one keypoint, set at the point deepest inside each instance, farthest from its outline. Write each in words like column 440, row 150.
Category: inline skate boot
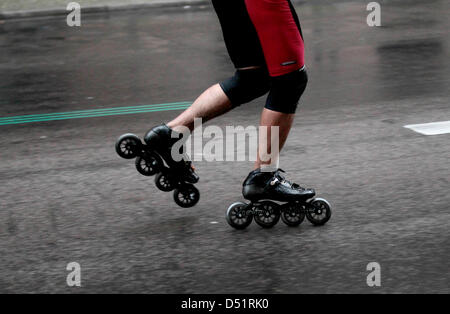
column 271, row 196
column 154, row 158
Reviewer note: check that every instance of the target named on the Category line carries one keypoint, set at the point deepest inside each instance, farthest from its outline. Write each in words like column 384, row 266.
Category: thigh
column 279, row 33
column 241, row 38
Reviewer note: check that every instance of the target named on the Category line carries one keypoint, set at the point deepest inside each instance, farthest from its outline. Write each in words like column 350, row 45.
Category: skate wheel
column 319, row 212
column 292, row 214
column 163, row 182
column 238, row 216
column 186, row 196
column 128, row 146
column 148, row 165
column 267, row 214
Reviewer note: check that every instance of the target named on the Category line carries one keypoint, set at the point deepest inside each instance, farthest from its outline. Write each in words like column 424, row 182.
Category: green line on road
column 93, row 113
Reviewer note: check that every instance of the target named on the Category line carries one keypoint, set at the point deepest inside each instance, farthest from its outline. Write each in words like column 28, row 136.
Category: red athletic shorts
column 262, row 32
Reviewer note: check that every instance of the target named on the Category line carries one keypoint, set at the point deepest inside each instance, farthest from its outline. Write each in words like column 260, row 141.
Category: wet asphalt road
column 65, row 196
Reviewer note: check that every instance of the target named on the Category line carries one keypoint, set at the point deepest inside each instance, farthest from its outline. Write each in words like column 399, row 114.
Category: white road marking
column 213, row 222
column 434, row 128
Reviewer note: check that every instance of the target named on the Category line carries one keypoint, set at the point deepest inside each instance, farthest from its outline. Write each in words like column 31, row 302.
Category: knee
column 246, row 85
column 286, row 91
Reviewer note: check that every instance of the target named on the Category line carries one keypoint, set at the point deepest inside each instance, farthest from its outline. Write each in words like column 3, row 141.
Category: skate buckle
column 274, row 181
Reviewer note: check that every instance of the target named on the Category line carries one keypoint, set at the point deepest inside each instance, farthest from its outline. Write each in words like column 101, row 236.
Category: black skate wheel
column 267, row 214
column 163, row 182
column 186, row 196
column 239, row 216
column 319, row 212
column 148, row 165
column 128, row 146
column 292, row 214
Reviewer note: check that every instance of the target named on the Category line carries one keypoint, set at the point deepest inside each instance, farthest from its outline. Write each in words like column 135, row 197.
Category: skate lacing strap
column 278, row 177
column 282, row 182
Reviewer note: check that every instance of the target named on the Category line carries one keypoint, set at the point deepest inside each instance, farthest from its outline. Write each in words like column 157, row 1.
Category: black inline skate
column 154, row 157
column 262, row 189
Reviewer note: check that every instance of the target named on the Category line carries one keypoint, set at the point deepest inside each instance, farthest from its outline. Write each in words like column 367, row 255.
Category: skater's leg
column 246, row 54
column 270, row 119
column 279, row 112
column 278, row 28
column 212, row 103
column 247, row 84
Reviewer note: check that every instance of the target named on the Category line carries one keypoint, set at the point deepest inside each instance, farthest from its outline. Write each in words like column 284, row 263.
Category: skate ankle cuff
column 268, row 168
